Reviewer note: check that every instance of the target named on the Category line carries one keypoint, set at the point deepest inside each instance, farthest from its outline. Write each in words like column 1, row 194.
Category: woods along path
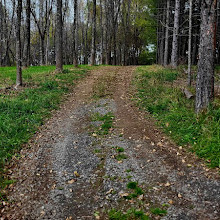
column 100, row 157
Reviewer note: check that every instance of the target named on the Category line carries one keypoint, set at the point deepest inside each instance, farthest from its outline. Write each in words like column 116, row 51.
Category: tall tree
column 1, row 32
column 190, row 43
column 205, row 75
column 93, row 57
column 75, row 30
column 166, row 50
column 27, row 34
column 18, row 44
column 174, row 56
column 59, row 37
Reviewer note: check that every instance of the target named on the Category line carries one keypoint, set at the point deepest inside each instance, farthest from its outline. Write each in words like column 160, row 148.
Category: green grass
column 120, row 149
column 156, row 94
column 22, row 112
column 121, row 157
column 158, row 211
column 129, row 215
column 137, row 190
column 107, row 123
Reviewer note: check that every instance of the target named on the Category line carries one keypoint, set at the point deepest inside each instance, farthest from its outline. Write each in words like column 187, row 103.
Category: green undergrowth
column 23, row 111
column 106, row 125
column 128, row 215
column 157, row 93
column 158, row 211
column 137, row 190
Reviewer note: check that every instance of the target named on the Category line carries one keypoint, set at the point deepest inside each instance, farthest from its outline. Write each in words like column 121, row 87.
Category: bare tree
column 42, row 24
column 174, row 56
column 166, row 50
column 75, row 31
column 93, row 57
column 18, row 44
column 27, row 34
column 190, row 43
column 59, row 37
column 205, row 75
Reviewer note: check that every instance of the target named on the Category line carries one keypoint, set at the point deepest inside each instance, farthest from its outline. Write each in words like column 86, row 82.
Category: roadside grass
column 157, row 94
column 23, row 111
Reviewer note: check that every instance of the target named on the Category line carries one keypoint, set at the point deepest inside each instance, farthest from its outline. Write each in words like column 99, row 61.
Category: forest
column 109, row 109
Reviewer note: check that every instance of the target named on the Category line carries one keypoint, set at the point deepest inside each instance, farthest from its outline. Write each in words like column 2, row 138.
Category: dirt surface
column 72, row 171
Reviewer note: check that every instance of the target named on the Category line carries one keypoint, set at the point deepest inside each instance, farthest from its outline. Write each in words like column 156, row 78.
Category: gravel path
column 73, row 170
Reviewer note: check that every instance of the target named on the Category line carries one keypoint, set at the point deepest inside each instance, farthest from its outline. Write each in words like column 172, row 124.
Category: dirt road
column 99, row 153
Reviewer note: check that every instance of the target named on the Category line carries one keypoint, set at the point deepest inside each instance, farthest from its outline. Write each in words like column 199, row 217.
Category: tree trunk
column 205, row 75
column 18, row 44
column 93, row 57
column 27, row 49
column 1, row 32
column 59, row 37
column 102, row 34
column 190, row 43
column 75, row 30
column 174, row 56
column 167, row 34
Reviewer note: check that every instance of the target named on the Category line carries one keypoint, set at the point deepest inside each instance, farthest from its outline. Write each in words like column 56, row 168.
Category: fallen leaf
column 110, row 191
column 76, row 174
column 94, row 135
column 189, row 165
column 170, row 202
column 42, row 213
column 69, row 218
column 146, row 138
column 155, row 188
column 159, row 144
column 124, row 194
column 183, row 161
column 167, row 184
column 152, row 143
column 71, row 181
column 120, row 161
column 179, row 195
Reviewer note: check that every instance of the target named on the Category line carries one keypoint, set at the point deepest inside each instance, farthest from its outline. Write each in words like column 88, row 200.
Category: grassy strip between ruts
column 22, row 112
column 157, row 93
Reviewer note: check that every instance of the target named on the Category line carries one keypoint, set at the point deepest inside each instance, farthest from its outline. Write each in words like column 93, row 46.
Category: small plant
column 128, row 170
column 132, row 185
column 97, row 151
column 116, row 215
column 120, row 149
column 130, row 214
column 137, row 190
column 158, row 211
column 121, row 157
column 107, row 123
